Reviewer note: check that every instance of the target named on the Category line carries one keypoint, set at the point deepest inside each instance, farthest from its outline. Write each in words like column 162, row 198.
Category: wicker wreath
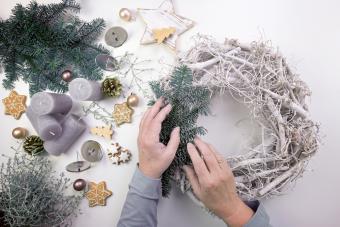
column 258, row 76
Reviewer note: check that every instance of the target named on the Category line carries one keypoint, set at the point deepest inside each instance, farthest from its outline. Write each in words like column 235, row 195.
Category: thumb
column 173, row 143
column 191, row 175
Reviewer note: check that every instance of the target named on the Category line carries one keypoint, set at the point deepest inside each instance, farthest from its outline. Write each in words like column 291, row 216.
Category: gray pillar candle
column 48, row 127
column 85, row 90
column 73, row 127
column 43, row 103
column 32, row 117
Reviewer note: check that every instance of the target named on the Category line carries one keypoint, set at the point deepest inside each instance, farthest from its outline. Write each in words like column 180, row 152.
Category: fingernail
column 177, row 129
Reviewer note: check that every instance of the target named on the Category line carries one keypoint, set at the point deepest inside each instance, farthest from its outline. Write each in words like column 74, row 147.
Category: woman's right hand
column 213, row 183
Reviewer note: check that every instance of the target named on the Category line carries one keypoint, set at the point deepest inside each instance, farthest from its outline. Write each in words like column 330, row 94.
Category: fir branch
column 39, row 41
column 50, row 12
column 188, row 103
column 11, row 71
column 88, row 31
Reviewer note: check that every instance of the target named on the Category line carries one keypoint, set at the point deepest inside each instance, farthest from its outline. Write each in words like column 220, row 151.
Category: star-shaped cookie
column 97, row 194
column 164, row 17
column 15, row 104
column 122, row 113
column 120, row 155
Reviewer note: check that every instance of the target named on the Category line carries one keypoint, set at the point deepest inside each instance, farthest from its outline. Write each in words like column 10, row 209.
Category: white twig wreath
column 259, row 77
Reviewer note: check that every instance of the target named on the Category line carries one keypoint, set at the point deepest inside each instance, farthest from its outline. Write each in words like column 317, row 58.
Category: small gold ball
column 66, row 76
column 19, row 133
column 125, row 14
column 132, row 100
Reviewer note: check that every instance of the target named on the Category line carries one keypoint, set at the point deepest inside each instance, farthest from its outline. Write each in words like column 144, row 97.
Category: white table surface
column 307, row 32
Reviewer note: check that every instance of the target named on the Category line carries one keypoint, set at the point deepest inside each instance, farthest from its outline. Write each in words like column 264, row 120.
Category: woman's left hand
column 154, row 156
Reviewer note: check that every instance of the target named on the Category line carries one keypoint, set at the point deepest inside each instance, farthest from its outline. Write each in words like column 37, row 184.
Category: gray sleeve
column 260, row 217
column 140, row 208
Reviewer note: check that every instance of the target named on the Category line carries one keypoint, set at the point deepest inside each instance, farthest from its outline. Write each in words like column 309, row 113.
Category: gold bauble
column 66, row 75
column 19, row 133
column 132, row 100
column 125, row 14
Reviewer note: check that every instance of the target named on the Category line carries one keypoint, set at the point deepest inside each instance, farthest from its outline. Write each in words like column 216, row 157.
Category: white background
column 307, row 32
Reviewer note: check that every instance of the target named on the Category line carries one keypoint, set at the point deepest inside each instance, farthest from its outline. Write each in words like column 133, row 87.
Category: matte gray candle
column 73, row 127
column 85, row 90
column 43, row 103
column 48, row 127
column 32, row 117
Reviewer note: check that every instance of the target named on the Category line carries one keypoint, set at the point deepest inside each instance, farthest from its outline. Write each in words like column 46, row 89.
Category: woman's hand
column 155, row 157
column 213, row 183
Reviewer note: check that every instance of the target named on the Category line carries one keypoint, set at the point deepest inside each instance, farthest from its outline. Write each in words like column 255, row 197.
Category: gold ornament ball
column 19, row 133
column 132, row 100
column 125, row 14
column 66, row 75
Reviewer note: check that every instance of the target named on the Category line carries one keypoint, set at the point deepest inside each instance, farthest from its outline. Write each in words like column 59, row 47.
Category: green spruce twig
column 188, row 103
column 38, row 42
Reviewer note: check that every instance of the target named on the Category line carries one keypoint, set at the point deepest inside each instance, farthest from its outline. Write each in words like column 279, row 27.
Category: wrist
column 240, row 216
column 149, row 172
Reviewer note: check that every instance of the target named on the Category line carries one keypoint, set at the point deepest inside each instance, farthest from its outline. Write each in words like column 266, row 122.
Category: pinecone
column 33, row 145
column 111, row 87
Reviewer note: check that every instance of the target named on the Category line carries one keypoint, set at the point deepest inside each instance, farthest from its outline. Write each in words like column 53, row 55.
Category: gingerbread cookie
column 15, row 104
column 122, row 113
column 97, row 194
column 103, row 131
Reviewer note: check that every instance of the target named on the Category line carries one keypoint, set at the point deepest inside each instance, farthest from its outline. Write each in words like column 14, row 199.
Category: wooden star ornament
column 97, row 194
column 15, row 104
column 164, row 17
column 122, row 113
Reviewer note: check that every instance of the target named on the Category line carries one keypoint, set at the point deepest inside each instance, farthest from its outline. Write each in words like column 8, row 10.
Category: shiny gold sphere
column 66, row 75
column 132, row 100
column 19, row 133
column 125, row 14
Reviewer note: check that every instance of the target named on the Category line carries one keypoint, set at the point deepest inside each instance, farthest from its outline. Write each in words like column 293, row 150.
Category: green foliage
column 188, row 103
column 31, row 194
column 38, row 42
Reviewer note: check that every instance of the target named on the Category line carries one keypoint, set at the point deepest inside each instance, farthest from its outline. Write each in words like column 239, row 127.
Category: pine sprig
column 188, row 103
column 38, row 42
